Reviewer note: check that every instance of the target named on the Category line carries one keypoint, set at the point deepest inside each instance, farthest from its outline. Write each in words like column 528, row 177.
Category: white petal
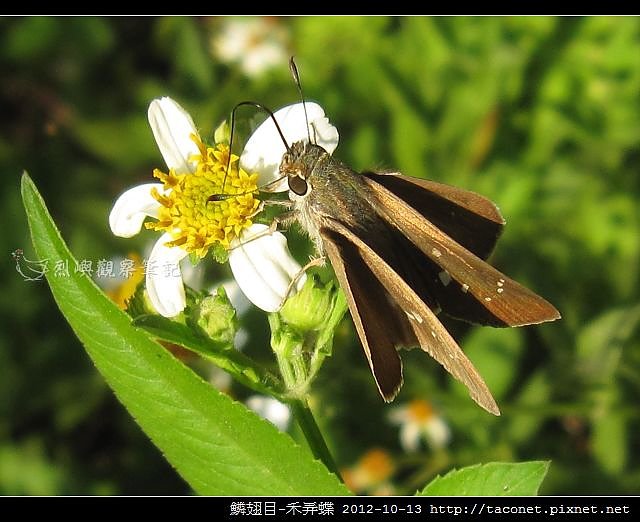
column 220, row 379
column 193, row 275
column 236, row 296
column 172, row 128
column 164, row 279
column 234, row 40
column 264, row 268
column 241, row 339
column 264, row 149
column 130, row 209
column 271, row 409
column 410, row 437
column 437, row 432
column 398, row 415
column 267, row 55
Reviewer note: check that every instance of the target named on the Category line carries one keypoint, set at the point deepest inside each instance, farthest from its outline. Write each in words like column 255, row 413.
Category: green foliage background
column 542, row 115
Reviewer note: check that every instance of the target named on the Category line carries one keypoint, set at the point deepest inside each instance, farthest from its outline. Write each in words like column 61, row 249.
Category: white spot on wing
column 436, row 252
column 413, row 316
column 465, row 288
column 487, row 299
column 500, row 290
column 445, row 277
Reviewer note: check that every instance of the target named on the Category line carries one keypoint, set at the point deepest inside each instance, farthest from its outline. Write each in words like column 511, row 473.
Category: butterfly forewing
column 428, row 279
column 509, row 302
column 469, row 218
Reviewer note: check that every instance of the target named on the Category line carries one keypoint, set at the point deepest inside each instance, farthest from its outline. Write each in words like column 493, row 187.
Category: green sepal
column 219, row 253
column 302, row 332
column 222, row 134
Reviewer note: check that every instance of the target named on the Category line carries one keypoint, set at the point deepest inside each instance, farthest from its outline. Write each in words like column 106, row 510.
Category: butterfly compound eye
column 298, row 185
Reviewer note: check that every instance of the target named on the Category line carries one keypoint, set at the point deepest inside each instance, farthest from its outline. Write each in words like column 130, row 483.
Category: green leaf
column 25, row 469
column 494, row 353
column 492, row 479
column 610, row 438
column 215, row 443
column 124, row 142
column 238, row 365
column 601, row 342
column 183, row 43
column 525, row 418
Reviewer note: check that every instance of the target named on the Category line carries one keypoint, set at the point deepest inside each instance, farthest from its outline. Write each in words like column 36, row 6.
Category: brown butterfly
column 404, row 249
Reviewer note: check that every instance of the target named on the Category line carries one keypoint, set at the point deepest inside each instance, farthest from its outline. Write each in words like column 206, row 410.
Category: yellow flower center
column 377, row 464
column 375, row 467
column 420, row 411
column 194, row 222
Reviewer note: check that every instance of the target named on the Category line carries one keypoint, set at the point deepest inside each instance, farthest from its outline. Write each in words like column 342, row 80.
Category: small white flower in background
column 220, row 379
column 371, row 474
column 190, row 223
column 419, row 421
column 270, row 409
column 256, row 44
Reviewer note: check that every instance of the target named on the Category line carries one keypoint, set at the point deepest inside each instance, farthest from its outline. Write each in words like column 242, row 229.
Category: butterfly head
column 298, row 164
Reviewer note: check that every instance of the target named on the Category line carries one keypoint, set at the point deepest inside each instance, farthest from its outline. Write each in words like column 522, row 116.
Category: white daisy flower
column 419, row 421
column 190, row 223
column 270, row 409
column 255, row 44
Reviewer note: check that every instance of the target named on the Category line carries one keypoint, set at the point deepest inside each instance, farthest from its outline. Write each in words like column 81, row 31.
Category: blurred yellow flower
column 371, row 474
column 121, row 292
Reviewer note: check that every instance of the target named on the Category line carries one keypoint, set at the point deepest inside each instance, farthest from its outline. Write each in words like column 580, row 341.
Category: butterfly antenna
column 222, row 196
column 296, row 78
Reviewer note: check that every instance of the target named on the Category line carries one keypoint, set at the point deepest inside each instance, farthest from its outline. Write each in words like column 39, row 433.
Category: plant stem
column 307, row 423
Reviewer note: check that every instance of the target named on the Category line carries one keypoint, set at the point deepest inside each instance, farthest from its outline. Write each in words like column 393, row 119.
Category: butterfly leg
column 317, row 261
column 284, row 218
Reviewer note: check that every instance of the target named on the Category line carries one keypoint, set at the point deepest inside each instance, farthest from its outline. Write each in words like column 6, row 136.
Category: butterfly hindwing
column 378, row 324
column 431, row 335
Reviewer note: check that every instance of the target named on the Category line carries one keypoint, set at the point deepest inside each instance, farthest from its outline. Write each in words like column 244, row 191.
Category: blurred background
column 542, row 115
